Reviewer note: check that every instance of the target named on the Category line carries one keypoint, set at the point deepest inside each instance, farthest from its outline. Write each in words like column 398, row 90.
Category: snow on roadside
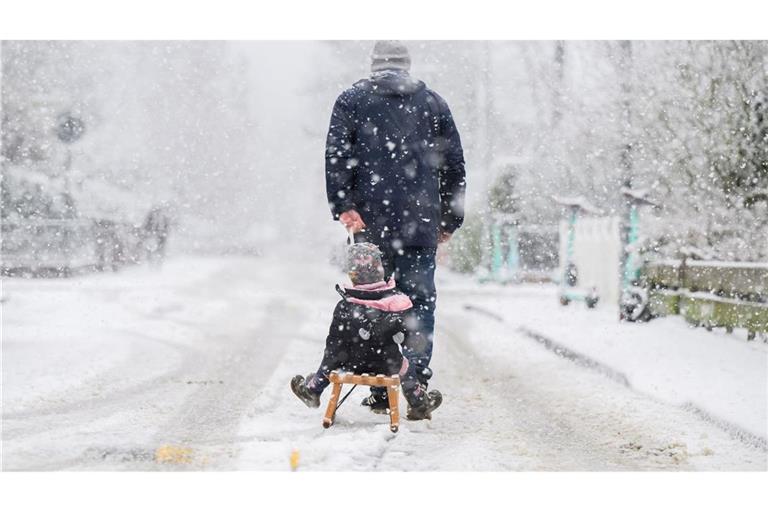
column 721, row 374
column 63, row 333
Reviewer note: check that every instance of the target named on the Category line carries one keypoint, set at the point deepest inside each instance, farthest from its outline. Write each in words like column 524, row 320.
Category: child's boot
column 421, row 404
column 377, row 401
column 300, row 389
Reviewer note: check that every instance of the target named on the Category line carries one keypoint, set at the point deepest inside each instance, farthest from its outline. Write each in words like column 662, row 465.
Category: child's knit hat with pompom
column 364, row 264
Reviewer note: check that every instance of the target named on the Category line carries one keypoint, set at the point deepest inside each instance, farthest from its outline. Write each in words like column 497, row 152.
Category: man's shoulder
column 351, row 94
column 361, row 89
column 432, row 95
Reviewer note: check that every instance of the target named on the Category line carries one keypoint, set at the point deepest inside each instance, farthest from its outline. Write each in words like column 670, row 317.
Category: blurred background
column 168, row 255
column 580, row 155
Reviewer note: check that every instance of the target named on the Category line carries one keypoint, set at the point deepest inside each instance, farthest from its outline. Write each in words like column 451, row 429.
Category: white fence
column 597, row 251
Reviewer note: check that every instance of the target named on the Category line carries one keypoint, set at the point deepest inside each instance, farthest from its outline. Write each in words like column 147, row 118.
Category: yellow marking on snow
column 294, row 460
column 169, row 454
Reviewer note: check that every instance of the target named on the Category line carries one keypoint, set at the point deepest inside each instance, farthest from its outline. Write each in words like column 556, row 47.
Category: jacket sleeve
column 340, row 164
column 452, row 175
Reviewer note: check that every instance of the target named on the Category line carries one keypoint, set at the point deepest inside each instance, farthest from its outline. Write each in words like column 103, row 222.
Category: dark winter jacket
column 393, row 154
column 366, row 329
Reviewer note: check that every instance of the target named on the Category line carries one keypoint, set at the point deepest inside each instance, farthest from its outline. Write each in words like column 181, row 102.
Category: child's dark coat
column 368, row 325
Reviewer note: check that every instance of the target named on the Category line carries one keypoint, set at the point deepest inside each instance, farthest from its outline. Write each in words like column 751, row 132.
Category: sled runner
column 338, row 379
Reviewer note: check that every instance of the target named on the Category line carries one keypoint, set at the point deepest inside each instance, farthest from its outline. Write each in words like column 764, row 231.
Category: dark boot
column 422, row 409
column 300, row 389
column 377, row 401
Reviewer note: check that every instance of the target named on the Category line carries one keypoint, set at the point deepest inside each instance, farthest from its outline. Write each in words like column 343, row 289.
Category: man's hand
column 443, row 237
column 352, row 220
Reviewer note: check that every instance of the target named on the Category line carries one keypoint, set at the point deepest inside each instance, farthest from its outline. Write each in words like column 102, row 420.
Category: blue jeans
column 414, row 272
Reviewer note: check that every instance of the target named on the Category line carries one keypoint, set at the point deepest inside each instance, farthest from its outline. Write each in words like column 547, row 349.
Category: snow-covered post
column 503, row 206
column 561, row 166
column 513, row 253
column 633, row 301
column 625, row 68
column 557, row 88
column 69, row 129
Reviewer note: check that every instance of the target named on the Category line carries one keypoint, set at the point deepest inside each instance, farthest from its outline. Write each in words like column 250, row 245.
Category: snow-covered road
column 188, row 368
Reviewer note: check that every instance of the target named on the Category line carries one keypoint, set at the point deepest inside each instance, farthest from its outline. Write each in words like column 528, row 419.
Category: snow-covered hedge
column 711, row 293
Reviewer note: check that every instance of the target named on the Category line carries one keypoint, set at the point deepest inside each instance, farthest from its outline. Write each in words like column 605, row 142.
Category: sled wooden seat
column 338, row 379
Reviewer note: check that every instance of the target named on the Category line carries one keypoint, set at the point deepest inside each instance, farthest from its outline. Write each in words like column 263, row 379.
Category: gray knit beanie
column 364, row 264
column 390, row 55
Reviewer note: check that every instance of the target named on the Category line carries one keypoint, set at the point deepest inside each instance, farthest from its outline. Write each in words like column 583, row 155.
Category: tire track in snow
column 735, row 431
column 209, row 418
column 217, row 368
column 526, row 418
column 571, row 356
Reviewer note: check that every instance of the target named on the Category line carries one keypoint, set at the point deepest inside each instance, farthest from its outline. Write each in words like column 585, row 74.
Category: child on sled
column 365, row 335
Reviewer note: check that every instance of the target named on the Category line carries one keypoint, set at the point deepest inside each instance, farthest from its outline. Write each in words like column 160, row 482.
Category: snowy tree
column 167, row 123
column 702, row 145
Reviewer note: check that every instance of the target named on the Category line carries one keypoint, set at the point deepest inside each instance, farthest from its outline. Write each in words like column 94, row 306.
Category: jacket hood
column 391, row 83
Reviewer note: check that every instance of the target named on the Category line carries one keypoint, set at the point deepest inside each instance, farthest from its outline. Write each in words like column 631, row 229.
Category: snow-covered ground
column 721, row 375
column 188, row 368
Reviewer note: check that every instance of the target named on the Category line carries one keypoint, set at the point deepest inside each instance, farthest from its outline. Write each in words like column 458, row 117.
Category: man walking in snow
column 395, row 176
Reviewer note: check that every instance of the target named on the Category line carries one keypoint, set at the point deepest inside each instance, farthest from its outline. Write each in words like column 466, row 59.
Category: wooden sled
column 393, row 393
